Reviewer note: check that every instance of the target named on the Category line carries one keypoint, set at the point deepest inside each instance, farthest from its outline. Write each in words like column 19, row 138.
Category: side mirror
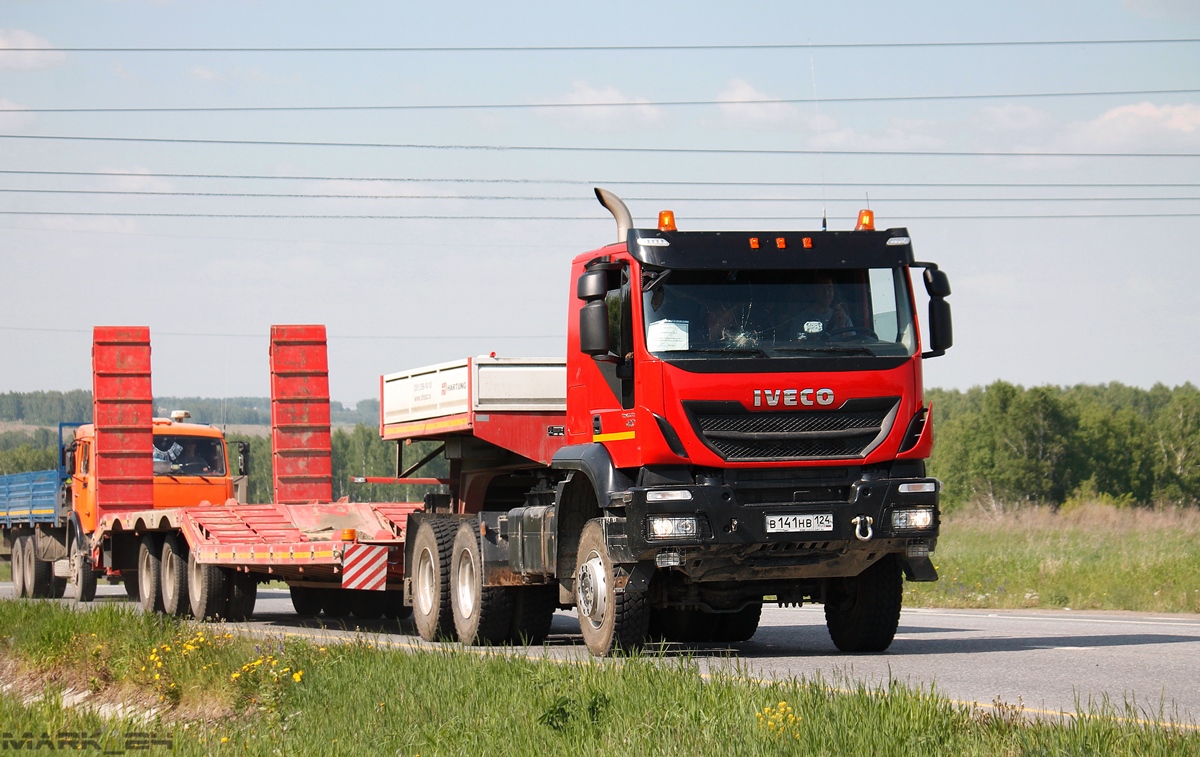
column 243, row 458
column 593, row 328
column 941, row 331
column 937, row 283
column 592, row 285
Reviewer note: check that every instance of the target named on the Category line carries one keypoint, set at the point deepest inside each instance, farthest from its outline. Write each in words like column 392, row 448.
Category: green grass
column 232, row 694
column 1088, row 558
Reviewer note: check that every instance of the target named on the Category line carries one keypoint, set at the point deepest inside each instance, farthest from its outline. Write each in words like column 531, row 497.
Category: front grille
column 851, row 431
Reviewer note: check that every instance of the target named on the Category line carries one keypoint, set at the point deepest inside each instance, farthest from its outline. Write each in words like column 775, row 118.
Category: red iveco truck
column 739, row 418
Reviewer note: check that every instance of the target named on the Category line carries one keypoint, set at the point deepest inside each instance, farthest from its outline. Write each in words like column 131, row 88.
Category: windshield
column 807, row 313
column 188, row 456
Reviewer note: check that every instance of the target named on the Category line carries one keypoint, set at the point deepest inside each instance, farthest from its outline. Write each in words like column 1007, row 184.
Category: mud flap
column 918, row 569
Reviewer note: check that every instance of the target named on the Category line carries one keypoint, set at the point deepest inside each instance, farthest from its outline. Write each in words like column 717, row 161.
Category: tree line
column 75, row 406
column 1005, row 444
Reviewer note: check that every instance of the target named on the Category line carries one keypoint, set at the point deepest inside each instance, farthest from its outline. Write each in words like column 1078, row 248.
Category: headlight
column 668, row 495
column 912, row 520
column 662, row 527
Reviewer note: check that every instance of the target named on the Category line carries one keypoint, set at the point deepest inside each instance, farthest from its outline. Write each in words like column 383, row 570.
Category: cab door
column 83, row 486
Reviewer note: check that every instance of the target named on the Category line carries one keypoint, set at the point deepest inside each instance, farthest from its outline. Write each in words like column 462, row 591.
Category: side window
column 84, row 455
column 620, row 313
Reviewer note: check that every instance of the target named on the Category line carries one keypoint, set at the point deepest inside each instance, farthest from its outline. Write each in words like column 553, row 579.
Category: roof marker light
column 866, row 220
column 807, row 243
column 780, row 243
column 666, row 220
column 754, row 243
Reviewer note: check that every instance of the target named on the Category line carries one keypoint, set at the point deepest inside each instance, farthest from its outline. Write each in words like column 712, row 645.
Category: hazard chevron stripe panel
column 365, row 567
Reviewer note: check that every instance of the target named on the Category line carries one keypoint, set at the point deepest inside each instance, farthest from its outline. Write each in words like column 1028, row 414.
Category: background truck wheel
column 533, row 612
column 306, row 601
column 58, row 586
column 684, row 626
column 39, row 574
column 431, row 578
column 740, row 625
column 243, row 593
column 862, row 613
column 18, row 567
column 129, row 577
column 609, row 621
column 366, row 605
column 82, row 574
column 394, row 607
column 174, row 576
column 482, row 615
column 207, row 591
column 149, row 573
column 335, row 603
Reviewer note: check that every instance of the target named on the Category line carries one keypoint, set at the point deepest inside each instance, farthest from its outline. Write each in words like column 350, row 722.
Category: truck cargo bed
column 29, row 498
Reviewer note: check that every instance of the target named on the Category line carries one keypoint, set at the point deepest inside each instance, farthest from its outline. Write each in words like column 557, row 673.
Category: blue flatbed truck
column 34, row 510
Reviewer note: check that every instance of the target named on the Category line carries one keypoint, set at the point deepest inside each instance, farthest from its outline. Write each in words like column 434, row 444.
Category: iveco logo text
column 792, row 397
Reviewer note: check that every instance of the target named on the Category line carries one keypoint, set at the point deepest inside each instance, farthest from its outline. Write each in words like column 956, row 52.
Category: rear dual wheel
column 482, row 614
column 431, row 578
column 149, row 573
column 208, row 592
column 173, row 572
column 18, row 567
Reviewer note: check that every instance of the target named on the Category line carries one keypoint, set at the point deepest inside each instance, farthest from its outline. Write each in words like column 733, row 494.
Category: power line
column 607, row 150
column 331, row 336
column 613, row 48
column 597, row 182
column 624, row 104
column 436, row 217
column 573, row 198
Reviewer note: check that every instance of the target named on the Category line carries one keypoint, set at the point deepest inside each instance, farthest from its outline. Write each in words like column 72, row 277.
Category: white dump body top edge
column 480, row 384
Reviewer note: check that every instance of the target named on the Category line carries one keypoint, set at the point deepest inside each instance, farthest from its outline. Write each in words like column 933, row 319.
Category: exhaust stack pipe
column 619, row 211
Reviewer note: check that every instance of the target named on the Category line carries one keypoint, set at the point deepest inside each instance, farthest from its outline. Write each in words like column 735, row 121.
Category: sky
column 430, row 244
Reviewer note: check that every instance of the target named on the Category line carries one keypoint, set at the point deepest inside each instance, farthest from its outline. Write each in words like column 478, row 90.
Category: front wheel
column 18, row 567
column 609, row 620
column 863, row 612
column 82, row 573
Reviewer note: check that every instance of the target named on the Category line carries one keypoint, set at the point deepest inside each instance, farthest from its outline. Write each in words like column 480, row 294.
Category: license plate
column 796, row 523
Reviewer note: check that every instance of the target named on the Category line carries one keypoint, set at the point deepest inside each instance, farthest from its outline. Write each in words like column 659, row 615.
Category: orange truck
column 49, row 518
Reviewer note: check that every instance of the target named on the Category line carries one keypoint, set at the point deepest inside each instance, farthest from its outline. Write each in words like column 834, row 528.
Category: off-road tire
column 482, row 614
column 149, row 573
column 626, row 617
column 533, row 612
column 20, row 584
column 366, row 605
column 173, row 576
column 39, row 574
column 862, row 613
column 306, row 600
column 243, row 593
column 738, row 626
column 335, row 603
column 208, row 592
column 82, row 573
column 431, row 578
column 394, row 607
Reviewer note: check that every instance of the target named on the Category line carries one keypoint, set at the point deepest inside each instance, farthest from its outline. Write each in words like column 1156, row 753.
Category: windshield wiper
column 829, row 350
column 756, row 351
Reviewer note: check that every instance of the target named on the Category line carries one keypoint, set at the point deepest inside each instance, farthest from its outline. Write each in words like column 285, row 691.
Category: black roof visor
column 771, row 250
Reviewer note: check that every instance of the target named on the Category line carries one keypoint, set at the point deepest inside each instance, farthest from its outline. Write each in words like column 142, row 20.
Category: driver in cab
column 824, row 312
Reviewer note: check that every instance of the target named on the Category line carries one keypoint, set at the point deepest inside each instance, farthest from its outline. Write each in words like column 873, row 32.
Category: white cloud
column 758, row 114
column 1012, row 118
column 18, row 120
column 1166, row 10
column 1143, row 126
column 205, row 74
column 637, row 113
column 26, row 60
column 137, row 180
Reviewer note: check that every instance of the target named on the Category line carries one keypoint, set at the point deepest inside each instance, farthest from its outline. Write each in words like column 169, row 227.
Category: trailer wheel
column 58, row 586
column 394, row 607
column 863, row 612
column 740, row 625
column 335, row 603
column 129, row 577
column 609, row 621
column 18, row 567
column 82, row 574
column 207, row 591
column 366, row 604
column 149, row 574
column 306, row 601
column 482, row 614
column 533, row 612
column 174, row 576
column 243, row 593
column 431, row 578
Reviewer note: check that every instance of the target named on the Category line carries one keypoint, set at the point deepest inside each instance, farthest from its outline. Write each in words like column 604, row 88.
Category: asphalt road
column 1050, row 661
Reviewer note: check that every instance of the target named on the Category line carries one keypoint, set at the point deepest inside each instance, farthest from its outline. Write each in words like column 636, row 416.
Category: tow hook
column 859, row 522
